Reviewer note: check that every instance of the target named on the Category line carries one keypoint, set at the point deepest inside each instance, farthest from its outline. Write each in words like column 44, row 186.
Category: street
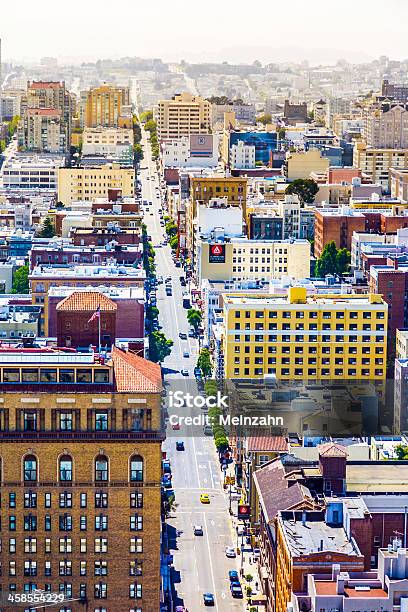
column 200, row 563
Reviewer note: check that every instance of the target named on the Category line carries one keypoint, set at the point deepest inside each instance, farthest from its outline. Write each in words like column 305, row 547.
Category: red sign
column 217, row 253
column 244, row 511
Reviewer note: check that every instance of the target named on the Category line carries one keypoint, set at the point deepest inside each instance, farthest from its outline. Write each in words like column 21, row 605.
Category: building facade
column 89, row 183
column 81, row 468
column 104, row 106
column 183, row 115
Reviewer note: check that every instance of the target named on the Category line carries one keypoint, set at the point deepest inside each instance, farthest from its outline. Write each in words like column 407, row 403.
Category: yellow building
column 183, row 115
column 299, row 165
column 318, row 337
column 376, row 162
column 245, row 259
column 90, row 183
column 104, row 105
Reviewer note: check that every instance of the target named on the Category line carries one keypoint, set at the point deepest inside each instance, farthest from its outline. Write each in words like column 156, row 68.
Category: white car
column 230, row 552
column 198, row 530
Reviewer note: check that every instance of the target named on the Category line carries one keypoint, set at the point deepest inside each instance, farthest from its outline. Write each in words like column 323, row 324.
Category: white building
column 194, row 151
column 23, row 171
column 242, row 156
column 106, row 141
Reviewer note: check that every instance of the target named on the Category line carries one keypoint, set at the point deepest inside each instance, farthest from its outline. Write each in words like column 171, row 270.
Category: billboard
column 216, row 253
column 265, row 143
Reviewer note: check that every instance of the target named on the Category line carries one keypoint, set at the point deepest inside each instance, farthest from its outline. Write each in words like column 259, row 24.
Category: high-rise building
column 183, row 115
column 317, row 337
column 387, row 128
column 376, row 162
column 53, row 95
column 81, row 466
column 41, row 129
column 104, row 105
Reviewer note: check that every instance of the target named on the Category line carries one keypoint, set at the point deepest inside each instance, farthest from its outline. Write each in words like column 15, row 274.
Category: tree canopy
column 194, row 317
column 159, row 346
column 48, row 229
column 306, row 189
column 20, row 280
column 332, row 261
column 204, row 362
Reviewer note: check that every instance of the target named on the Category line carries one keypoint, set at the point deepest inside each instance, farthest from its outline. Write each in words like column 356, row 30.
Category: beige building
column 300, row 164
column 377, row 162
column 104, row 105
column 41, row 130
column 243, row 259
column 52, row 95
column 105, row 141
column 399, row 183
column 402, row 344
column 388, row 129
column 90, row 183
column 183, row 115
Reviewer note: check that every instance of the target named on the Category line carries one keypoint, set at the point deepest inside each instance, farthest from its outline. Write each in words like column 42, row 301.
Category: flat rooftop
column 329, row 587
column 316, row 300
column 377, row 477
column 314, row 536
column 120, row 293
column 83, row 271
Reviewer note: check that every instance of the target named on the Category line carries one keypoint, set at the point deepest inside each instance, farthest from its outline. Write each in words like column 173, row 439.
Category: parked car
column 182, row 336
column 233, row 576
column 230, row 552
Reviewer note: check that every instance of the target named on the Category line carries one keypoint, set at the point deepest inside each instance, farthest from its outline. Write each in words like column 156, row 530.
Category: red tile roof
column 87, row 301
column 267, row 443
column 135, row 374
column 331, row 449
column 45, row 85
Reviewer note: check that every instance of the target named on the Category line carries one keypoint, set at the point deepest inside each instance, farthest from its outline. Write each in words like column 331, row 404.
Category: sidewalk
column 249, row 572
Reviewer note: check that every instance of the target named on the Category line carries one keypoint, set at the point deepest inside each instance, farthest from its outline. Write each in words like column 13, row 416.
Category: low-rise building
column 106, row 141
column 377, row 162
column 90, row 183
column 22, row 171
column 18, row 321
column 58, row 251
column 195, row 150
column 300, row 165
column 242, row 156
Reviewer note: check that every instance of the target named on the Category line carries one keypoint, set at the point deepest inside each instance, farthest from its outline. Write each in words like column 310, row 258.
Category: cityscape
column 203, row 314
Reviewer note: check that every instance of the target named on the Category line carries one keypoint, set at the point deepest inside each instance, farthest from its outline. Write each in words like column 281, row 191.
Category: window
column 82, row 568
column 66, row 375
column 101, row 376
column 47, row 568
column 82, row 545
column 65, row 522
column 30, row 545
column 101, row 499
column 101, row 568
column 30, row 420
column 30, row 522
column 101, row 421
column 47, row 522
column 65, row 499
column 12, row 500
column 47, row 500
column 101, row 545
column 30, row 568
column 136, row 545
column 65, row 545
column 101, row 468
column 101, row 522
column 84, row 376
column 83, row 500
column 65, row 468
column 82, row 522
column 101, row 590
column 65, row 568
column 65, row 421
column 135, row 591
column 30, row 499
column 136, row 522
column 136, row 468
column 135, row 568
column 12, row 545
column 30, row 469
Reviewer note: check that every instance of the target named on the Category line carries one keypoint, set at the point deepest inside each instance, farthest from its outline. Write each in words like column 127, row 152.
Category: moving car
column 230, row 552
column 184, row 372
column 182, row 336
column 180, row 445
column 198, row 530
column 207, row 429
column 236, row 590
column 186, row 354
column 191, row 333
column 208, row 599
column 169, row 291
column 205, row 499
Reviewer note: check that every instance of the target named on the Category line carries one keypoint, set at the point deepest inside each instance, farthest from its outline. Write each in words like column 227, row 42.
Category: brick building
column 81, row 467
column 83, row 236
column 74, row 327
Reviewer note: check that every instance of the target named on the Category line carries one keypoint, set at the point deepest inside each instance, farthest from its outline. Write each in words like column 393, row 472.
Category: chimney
column 395, row 263
column 341, row 582
column 321, row 545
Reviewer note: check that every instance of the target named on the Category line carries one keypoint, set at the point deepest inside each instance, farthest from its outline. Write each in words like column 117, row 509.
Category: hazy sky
column 238, row 30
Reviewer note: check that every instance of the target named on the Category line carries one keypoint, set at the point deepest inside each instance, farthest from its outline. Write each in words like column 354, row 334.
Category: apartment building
column 53, row 95
column 318, row 337
column 377, row 162
column 300, row 165
column 89, row 183
column 81, row 467
column 399, row 183
column 183, row 115
column 41, row 130
column 242, row 156
column 387, row 128
column 104, row 105
column 384, row 588
column 193, row 151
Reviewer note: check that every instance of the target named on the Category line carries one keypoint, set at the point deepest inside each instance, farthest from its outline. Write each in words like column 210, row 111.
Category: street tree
column 159, row 346
column 204, row 362
column 194, row 317
column 332, row 261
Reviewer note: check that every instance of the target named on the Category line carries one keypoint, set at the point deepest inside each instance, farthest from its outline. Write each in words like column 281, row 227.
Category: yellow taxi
column 204, row 498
